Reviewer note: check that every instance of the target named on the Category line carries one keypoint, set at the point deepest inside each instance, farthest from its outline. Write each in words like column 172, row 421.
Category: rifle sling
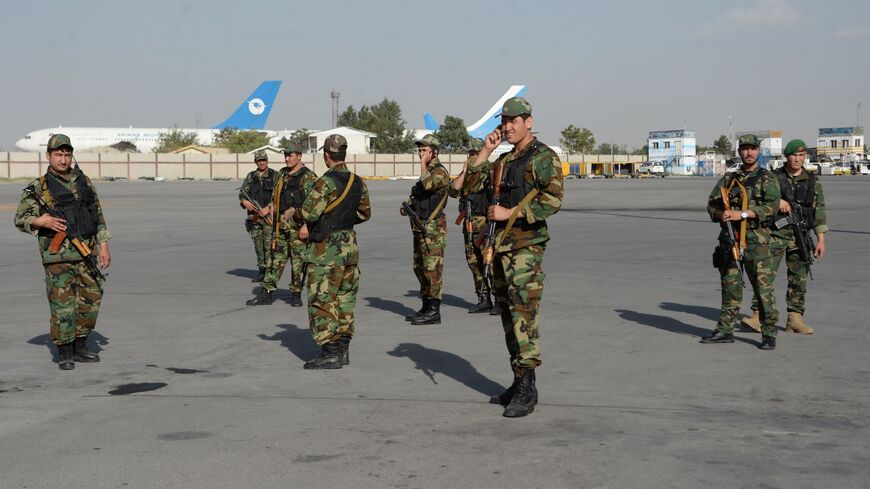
column 528, row 198
column 341, row 197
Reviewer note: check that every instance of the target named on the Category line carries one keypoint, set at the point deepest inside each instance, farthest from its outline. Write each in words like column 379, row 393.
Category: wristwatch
column 744, row 215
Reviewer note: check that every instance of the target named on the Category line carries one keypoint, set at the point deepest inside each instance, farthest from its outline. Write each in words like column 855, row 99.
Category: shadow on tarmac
column 446, row 299
column 672, row 325
column 432, row 362
column 243, row 272
column 709, row 313
column 96, row 342
column 388, row 305
column 295, row 339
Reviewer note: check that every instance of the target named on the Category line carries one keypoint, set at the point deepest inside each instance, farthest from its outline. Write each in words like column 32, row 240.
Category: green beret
column 794, row 146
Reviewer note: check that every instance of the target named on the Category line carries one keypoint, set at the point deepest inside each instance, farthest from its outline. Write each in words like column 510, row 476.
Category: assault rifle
column 464, row 217
column 92, row 263
column 805, row 244
column 256, row 217
column 733, row 237
column 489, row 251
column 415, row 219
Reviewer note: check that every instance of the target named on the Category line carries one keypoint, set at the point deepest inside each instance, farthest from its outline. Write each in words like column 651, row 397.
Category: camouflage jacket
column 29, row 209
column 820, row 220
column 248, row 184
column 340, row 248
column 763, row 199
column 544, row 172
column 307, row 183
column 436, row 180
column 478, row 184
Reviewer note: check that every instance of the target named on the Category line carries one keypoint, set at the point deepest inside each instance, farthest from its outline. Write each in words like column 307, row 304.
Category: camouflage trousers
column 796, row 274
column 331, row 300
column 474, row 257
column 261, row 234
column 288, row 247
column 518, row 285
column 761, row 275
column 74, row 300
column 429, row 260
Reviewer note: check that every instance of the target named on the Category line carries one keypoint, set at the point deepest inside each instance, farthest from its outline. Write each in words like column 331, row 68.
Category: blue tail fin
column 254, row 111
column 489, row 121
column 429, row 122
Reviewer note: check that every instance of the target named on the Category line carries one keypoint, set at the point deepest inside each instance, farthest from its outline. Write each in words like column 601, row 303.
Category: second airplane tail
column 254, row 111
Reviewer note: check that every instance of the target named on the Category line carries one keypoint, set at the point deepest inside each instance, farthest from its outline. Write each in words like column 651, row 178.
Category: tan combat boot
column 752, row 322
column 795, row 323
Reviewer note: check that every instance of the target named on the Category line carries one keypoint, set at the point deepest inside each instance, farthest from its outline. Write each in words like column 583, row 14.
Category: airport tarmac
column 628, row 397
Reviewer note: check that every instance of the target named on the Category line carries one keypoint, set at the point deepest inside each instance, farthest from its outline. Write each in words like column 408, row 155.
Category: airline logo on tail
column 254, row 111
column 489, row 121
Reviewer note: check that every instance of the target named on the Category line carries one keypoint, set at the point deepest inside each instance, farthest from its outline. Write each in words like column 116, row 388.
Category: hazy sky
column 619, row 68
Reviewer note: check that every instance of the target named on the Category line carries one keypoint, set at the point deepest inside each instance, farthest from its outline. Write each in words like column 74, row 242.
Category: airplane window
column 26, row 137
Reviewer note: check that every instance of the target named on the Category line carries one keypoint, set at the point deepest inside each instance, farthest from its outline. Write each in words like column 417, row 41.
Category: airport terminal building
column 675, row 150
column 841, row 143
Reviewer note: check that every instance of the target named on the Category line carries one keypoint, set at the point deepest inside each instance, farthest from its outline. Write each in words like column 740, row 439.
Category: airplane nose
column 21, row 144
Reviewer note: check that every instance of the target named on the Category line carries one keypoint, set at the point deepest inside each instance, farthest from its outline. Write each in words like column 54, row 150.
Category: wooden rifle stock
column 490, row 234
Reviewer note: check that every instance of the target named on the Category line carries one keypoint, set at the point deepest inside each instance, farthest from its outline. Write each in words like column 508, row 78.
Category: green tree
column 298, row 137
column 385, row 120
column 722, row 146
column 577, row 140
column 453, row 136
column 607, row 148
column 643, row 150
column 173, row 139
column 240, row 141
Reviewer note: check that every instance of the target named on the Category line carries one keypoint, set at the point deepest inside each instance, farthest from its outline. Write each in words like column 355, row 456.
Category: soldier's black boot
column 328, row 358
column 295, row 299
column 483, row 303
column 264, row 297
column 344, row 352
column 411, row 317
column 525, row 396
column 496, row 309
column 505, row 397
column 81, row 352
column 767, row 343
column 261, row 275
column 432, row 315
column 718, row 337
column 65, row 356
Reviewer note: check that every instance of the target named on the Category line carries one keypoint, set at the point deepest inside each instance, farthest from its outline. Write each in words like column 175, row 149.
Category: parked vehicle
column 651, row 168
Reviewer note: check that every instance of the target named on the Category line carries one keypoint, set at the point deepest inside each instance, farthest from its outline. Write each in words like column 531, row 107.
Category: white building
column 675, row 150
column 841, row 143
column 770, row 154
column 358, row 142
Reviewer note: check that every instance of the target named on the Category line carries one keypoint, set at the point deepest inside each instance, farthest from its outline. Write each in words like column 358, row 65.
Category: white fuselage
column 85, row 138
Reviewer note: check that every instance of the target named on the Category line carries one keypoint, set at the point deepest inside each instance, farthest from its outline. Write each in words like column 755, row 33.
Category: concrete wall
column 235, row 166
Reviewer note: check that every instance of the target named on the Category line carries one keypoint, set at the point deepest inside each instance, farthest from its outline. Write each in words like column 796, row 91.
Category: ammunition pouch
column 721, row 257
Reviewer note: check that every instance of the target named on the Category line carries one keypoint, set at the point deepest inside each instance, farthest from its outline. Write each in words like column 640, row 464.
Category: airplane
column 251, row 114
column 488, row 122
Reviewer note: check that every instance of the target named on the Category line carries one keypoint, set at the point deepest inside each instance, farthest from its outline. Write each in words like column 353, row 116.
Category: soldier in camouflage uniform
column 74, row 290
column 256, row 192
column 754, row 220
column 427, row 200
column 338, row 201
column 288, row 237
column 473, row 202
column 530, row 192
column 803, row 188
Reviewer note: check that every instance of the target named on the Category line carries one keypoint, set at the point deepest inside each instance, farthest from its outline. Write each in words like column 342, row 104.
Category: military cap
column 291, row 148
column 428, row 140
column 748, row 140
column 794, row 146
column 57, row 141
column 260, row 154
column 475, row 144
column 515, row 106
column 334, row 143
